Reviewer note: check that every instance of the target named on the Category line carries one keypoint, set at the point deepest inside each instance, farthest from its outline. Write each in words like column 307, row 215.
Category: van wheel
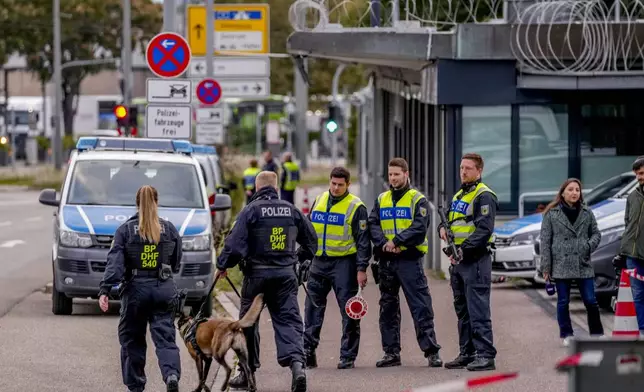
column 60, row 303
column 207, row 307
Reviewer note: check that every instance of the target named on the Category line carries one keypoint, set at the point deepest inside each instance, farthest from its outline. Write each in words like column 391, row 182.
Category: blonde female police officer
column 145, row 252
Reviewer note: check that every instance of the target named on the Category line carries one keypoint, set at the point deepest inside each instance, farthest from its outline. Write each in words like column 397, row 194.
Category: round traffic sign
column 168, row 55
column 208, row 92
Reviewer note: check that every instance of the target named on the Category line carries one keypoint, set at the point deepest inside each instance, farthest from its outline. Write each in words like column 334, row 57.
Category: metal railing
column 525, row 195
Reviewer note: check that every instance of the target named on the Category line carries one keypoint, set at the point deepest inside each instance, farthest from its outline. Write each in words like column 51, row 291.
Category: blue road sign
column 168, row 55
column 208, row 92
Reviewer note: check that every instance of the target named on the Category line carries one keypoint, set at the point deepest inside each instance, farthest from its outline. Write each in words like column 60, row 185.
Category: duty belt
column 145, row 273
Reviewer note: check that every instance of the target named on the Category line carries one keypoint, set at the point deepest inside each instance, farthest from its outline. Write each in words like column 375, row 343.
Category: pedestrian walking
column 631, row 252
column 569, row 235
column 264, row 236
column 471, row 218
column 146, row 251
column 341, row 261
column 398, row 226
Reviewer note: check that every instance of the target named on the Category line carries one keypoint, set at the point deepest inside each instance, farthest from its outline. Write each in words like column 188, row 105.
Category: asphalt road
column 43, row 352
column 25, row 246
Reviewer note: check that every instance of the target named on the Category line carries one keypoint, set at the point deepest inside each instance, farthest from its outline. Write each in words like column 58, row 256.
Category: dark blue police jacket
column 116, row 267
column 266, row 232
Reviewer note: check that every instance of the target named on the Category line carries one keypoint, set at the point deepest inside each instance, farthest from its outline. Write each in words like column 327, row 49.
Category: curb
column 49, row 287
column 13, row 188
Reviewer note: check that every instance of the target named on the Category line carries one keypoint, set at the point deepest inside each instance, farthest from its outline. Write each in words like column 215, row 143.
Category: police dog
column 215, row 337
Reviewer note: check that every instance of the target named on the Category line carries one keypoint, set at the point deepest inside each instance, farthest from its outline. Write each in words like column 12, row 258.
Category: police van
column 99, row 194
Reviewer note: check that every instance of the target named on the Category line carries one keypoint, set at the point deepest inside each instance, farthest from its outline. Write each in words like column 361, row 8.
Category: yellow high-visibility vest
column 333, row 226
column 292, row 176
column 249, row 177
column 461, row 213
column 394, row 219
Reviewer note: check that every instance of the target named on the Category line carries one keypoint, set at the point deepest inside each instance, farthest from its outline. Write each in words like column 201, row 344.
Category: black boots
column 481, row 364
column 460, row 362
column 311, row 360
column 389, row 360
column 239, row 382
column 434, row 360
column 299, row 377
column 172, row 383
column 346, row 363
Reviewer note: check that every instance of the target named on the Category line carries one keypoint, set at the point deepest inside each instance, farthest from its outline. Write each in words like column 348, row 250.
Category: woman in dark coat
column 569, row 235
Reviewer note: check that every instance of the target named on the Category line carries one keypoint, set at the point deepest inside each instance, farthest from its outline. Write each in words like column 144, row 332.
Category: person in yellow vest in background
column 344, row 250
column 249, row 179
column 290, row 178
column 398, row 225
column 471, row 219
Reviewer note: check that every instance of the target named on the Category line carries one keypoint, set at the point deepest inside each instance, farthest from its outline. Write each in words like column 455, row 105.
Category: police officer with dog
column 263, row 239
column 341, row 261
column 146, row 251
column 471, row 220
column 398, row 224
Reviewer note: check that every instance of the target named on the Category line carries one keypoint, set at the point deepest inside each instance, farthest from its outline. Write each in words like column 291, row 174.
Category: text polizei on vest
column 276, row 211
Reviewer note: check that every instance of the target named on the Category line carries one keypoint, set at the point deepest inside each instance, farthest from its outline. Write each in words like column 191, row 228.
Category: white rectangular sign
column 231, row 67
column 170, row 122
column 210, row 134
column 169, row 91
column 239, row 40
column 243, row 88
column 210, row 115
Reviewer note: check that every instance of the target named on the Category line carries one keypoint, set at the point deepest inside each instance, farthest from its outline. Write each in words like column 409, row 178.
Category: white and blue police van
column 99, row 194
column 514, row 240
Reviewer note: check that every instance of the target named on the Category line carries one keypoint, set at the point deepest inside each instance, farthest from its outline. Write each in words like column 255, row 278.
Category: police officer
column 290, row 178
column 471, row 218
column 398, row 224
column 341, row 261
column 249, row 179
column 146, row 251
column 264, row 236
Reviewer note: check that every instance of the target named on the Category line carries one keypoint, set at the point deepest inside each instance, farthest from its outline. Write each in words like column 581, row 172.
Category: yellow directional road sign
column 238, row 28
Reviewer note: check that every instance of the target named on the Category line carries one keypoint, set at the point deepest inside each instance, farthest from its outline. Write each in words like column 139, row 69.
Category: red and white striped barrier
column 467, row 384
column 625, row 324
column 592, row 358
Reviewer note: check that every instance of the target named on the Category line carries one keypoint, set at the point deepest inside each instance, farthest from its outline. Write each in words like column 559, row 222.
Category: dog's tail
column 252, row 315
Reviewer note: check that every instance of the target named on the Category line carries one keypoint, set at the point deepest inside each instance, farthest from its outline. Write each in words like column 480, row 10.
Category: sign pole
column 169, row 10
column 210, row 37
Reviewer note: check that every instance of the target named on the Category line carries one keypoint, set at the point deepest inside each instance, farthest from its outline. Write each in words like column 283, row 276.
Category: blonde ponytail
column 149, row 226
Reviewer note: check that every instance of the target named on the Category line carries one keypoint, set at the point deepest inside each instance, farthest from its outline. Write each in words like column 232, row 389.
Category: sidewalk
column 525, row 336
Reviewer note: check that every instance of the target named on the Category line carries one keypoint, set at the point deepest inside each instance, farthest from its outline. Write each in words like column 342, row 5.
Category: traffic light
column 121, row 113
column 333, row 123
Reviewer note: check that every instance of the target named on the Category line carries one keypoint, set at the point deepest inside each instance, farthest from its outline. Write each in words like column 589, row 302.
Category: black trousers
column 147, row 301
column 410, row 275
column 339, row 274
column 280, row 290
column 471, row 283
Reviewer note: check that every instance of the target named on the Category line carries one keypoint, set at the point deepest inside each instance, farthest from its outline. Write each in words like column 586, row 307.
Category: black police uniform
column 405, row 270
column 339, row 273
column 471, row 282
column 147, row 294
column 264, row 236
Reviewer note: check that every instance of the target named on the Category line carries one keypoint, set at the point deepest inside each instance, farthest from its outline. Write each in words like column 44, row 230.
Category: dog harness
column 191, row 335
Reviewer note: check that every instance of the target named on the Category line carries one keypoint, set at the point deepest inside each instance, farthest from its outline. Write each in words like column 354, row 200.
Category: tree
column 9, row 37
column 90, row 29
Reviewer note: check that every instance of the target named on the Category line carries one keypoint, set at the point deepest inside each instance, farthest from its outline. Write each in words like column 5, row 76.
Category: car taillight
column 211, row 201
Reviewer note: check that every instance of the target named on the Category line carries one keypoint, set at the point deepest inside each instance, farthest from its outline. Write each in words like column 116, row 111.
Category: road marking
column 33, row 219
column 5, row 223
column 12, row 243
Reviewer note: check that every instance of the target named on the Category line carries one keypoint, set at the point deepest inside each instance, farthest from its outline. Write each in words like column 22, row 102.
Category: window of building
column 543, row 152
column 487, row 131
column 611, row 138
